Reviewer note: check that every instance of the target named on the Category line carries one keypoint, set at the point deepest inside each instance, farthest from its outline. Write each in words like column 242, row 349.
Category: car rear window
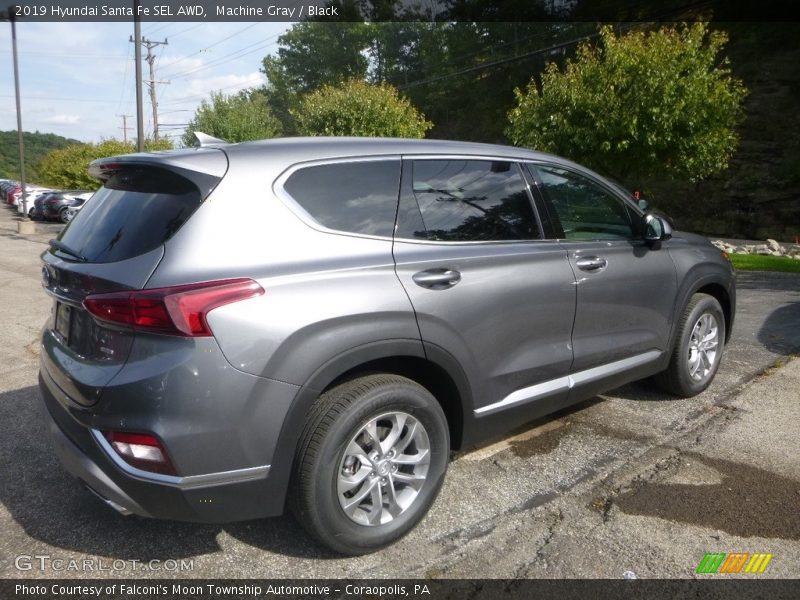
column 135, row 211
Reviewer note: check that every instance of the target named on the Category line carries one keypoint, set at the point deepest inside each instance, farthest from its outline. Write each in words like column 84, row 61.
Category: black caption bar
column 173, row 11
column 401, row 10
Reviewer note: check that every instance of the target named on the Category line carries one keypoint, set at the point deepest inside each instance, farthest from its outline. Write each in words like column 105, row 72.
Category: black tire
column 62, row 215
column 334, row 421
column 677, row 379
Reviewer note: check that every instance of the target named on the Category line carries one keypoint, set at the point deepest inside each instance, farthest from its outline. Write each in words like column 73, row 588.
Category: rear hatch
column 114, row 244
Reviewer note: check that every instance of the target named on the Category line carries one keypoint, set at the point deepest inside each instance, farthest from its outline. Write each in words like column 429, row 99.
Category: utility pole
column 125, row 127
column 137, row 33
column 151, row 59
column 19, row 117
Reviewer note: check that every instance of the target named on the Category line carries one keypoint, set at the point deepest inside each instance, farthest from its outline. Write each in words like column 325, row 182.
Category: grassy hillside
column 36, row 146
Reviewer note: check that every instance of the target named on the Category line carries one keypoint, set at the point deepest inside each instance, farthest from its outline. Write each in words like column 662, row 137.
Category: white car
column 73, row 210
column 31, row 193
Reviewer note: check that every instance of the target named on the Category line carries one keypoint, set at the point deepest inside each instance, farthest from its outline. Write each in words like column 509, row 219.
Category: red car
column 11, row 198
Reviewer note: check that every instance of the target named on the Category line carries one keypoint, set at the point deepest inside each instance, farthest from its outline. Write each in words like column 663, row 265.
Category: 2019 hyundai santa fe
column 318, row 322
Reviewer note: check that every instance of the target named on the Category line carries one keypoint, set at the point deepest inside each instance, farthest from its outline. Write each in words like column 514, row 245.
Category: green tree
column 639, row 105
column 460, row 72
column 360, row 109
column 310, row 55
column 237, row 118
column 67, row 168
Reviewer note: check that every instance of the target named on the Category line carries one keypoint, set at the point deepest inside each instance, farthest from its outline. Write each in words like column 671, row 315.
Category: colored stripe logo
column 741, row 562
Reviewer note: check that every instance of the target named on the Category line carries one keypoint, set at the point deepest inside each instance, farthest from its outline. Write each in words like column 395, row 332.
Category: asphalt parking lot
column 633, row 481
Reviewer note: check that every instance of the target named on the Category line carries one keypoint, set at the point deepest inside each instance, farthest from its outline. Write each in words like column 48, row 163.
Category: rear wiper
column 67, row 250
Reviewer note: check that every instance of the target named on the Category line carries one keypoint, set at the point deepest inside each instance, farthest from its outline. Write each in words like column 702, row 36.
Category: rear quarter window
column 135, row 211
column 352, row 197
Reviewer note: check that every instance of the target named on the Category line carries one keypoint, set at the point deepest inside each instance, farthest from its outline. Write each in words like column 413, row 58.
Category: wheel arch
column 718, row 291
column 432, row 369
column 714, row 284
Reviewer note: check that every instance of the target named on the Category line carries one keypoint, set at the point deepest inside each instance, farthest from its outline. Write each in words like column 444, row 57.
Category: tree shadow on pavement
column 747, row 502
column 780, row 332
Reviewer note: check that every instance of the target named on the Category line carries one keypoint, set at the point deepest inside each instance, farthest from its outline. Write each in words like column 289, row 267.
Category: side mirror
column 656, row 229
column 643, row 204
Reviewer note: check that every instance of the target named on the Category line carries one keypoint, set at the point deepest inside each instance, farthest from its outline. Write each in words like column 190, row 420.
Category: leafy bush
column 67, row 168
column 641, row 104
column 358, row 108
column 238, row 118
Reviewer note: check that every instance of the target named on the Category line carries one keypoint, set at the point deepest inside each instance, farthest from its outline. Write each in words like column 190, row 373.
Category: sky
column 76, row 78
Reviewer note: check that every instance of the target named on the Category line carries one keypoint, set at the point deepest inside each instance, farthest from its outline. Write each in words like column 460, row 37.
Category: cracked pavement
column 630, row 481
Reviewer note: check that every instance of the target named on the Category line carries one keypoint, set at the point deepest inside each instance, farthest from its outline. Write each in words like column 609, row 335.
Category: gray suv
column 319, row 322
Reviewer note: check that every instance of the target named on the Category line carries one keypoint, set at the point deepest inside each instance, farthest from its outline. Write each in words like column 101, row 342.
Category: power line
column 62, row 99
column 498, row 62
column 185, row 99
column 226, row 58
column 124, row 82
column 217, row 43
column 188, row 29
column 68, row 55
column 150, row 45
column 161, row 27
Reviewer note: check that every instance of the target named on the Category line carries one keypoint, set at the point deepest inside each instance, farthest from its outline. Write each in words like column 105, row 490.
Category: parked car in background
column 37, row 210
column 75, row 209
column 54, row 206
column 12, row 193
column 31, row 195
column 397, row 299
column 5, row 188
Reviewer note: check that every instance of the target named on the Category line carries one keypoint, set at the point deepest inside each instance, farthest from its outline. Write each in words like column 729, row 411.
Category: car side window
column 354, row 197
column 469, row 200
column 585, row 210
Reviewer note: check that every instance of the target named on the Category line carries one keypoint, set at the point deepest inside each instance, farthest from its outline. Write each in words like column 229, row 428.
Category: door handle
column 591, row 263
column 437, row 279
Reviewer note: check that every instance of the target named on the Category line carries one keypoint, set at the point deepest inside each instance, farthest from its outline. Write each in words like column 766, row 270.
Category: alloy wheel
column 703, row 347
column 383, row 468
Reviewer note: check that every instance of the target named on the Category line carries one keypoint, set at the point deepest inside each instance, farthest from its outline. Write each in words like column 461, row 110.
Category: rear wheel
column 698, row 348
column 62, row 215
column 370, row 463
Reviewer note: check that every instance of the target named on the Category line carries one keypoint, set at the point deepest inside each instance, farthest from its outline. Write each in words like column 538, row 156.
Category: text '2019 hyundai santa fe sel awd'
column 318, row 322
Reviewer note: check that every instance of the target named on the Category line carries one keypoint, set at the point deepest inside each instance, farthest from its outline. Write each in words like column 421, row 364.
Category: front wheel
column 370, row 463
column 698, row 348
column 62, row 215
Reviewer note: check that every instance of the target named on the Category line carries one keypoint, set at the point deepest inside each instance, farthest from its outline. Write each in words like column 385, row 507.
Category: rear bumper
column 208, row 498
column 82, row 468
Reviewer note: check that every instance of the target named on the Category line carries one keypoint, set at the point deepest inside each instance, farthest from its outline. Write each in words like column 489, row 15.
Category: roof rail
column 203, row 140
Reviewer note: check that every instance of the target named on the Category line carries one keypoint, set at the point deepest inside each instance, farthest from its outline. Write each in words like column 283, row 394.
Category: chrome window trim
column 279, row 189
column 482, row 157
column 592, row 177
column 567, row 382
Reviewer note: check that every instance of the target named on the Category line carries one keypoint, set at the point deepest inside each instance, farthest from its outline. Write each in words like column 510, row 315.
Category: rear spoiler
column 204, row 167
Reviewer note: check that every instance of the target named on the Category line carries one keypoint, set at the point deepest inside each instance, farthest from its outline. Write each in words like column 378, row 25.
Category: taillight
column 177, row 310
column 141, row 450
